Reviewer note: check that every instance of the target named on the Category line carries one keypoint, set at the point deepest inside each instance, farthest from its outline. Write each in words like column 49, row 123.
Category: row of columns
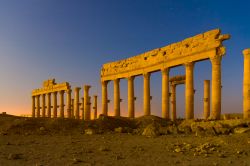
column 189, row 92
column 72, row 105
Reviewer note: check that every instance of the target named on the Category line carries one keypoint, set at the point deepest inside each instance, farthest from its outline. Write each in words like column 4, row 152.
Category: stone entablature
column 197, row 48
column 50, row 86
column 176, row 80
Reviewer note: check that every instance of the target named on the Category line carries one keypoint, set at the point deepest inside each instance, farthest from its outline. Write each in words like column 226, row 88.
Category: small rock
column 14, row 156
column 151, row 130
column 42, row 128
column 240, row 130
column 89, row 131
column 119, row 130
column 103, row 149
column 178, row 150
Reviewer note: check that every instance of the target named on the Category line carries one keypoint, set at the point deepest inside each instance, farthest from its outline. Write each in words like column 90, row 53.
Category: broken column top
column 246, row 51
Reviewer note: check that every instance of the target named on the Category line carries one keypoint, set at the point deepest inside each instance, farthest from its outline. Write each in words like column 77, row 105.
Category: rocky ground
column 147, row 140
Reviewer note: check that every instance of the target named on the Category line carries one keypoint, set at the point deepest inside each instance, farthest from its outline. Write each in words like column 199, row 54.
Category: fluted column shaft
column 173, row 101
column 104, row 98
column 54, row 104
column 72, row 109
column 189, row 90
column 95, row 107
column 146, row 95
column 69, row 103
column 216, row 87
column 117, row 97
column 206, row 99
column 43, row 105
column 62, row 104
column 49, row 105
column 246, row 84
column 76, row 105
column 165, row 93
column 38, row 106
column 82, row 108
column 131, row 97
column 33, row 106
column 86, row 102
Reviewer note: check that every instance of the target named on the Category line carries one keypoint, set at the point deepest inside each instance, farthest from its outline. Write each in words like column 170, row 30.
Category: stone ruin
column 72, row 105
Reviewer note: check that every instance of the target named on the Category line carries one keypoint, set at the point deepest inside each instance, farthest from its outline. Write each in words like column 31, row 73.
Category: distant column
column 117, row 97
column 131, row 97
column 104, row 98
column 82, row 108
column 189, row 90
column 165, row 93
column 173, row 101
column 33, row 106
column 86, row 102
column 69, row 103
column 146, row 98
column 72, row 109
column 246, row 84
column 49, row 105
column 206, row 99
column 43, row 105
column 216, row 87
column 95, row 107
column 62, row 104
column 55, row 105
column 76, row 105
column 38, row 106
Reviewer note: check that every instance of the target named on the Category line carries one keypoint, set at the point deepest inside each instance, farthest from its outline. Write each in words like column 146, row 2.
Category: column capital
column 105, row 83
column 246, row 52
column 55, row 93
column 189, row 64
column 87, row 87
column 165, row 70
column 61, row 92
column 117, row 80
column 69, row 91
column 131, row 78
column 77, row 89
column 146, row 75
column 215, row 59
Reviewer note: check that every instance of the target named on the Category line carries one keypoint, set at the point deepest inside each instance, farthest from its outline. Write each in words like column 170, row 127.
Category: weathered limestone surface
column 76, row 104
column 86, row 102
column 199, row 47
column 131, row 98
column 246, row 84
column 165, row 93
column 95, row 107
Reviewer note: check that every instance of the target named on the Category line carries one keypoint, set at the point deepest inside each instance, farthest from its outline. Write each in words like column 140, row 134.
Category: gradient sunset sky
column 69, row 40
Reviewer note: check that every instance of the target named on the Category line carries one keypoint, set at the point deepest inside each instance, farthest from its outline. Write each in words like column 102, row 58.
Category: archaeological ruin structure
column 246, row 84
column 72, row 105
column 206, row 46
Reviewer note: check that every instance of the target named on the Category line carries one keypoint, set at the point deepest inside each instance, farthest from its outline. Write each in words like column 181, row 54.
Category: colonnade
column 73, row 106
column 189, row 92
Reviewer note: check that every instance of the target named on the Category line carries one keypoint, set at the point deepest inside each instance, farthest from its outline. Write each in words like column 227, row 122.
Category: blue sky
column 70, row 40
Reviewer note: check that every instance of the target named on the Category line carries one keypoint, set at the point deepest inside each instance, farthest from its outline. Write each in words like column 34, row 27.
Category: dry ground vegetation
column 147, row 140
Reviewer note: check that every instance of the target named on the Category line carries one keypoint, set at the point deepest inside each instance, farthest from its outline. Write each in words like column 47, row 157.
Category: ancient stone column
column 206, row 99
column 117, row 97
column 216, row 87
column 49, row 105
column 173, row 101
column 33, row 106
column 146, row 92
column 86, row 102
column 55, row 105
column 246, row 84
column 82, row 108
column 38, row 106
column 95, row 107
column 131, row 97
column 43, row 105
column 189, row 90
column 104, row 98
column 69, row 103
column 72, row 109
column 165, row 93
column 62, row 104
column 76, row 105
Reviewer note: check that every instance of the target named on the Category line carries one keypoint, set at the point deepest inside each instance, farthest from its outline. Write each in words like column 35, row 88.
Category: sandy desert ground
column 113, row 141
